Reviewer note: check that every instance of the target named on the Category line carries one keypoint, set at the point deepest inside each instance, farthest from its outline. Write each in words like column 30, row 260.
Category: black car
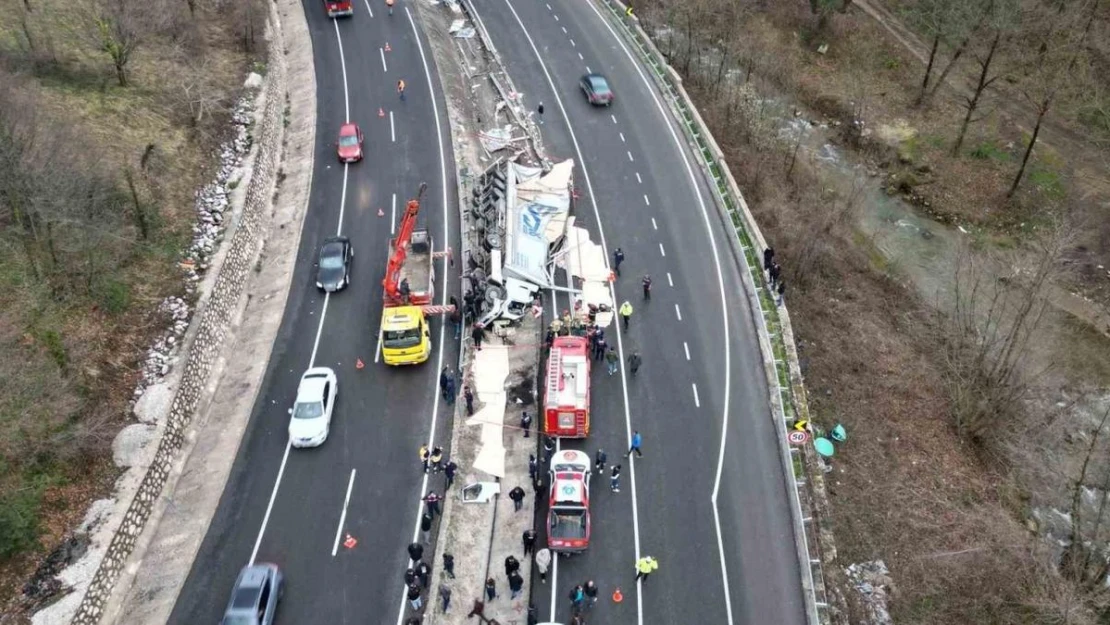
column 333, row 270
column 597, row 89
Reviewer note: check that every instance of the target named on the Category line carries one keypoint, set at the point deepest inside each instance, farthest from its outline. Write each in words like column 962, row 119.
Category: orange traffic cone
column 612, row 276
column 359, row 364
column 350, row 542
column 381, row 112
column 617, row 596
column 387, row 49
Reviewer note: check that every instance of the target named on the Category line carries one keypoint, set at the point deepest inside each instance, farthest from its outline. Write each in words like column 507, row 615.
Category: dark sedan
column 255, row 597
column 597, row 90
column 333, row 271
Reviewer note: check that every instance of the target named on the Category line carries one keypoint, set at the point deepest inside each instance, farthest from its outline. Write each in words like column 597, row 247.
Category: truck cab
column 406, row 338
column 337, row 8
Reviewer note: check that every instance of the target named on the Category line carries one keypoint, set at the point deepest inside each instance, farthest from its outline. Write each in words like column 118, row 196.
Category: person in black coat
column 517, row 495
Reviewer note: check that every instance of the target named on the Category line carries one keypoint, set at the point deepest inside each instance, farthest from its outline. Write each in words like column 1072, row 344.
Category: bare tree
column 119, row 30
column 1004, row 19
column 969, row 19
column 941, row 21
column 1059, row 63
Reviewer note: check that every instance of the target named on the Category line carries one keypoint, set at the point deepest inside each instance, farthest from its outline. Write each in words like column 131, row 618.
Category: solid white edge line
column 720, row 283
column 343, row 515
column 323, row 310
column 446, row 279
column 385, row 68
column 612, row 294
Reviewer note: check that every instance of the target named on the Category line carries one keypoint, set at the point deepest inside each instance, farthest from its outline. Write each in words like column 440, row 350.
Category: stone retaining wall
column 243, row 250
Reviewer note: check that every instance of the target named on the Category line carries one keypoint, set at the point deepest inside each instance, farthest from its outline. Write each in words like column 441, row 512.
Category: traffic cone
column 617, row 596
column 350, row 542
column 381, row 112
column 612, row 276
column 381, row 213
column 359, row 364
column 387, row 49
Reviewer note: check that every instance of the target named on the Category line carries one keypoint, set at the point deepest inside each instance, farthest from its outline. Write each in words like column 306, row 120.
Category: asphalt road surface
column 294, row 507
column 702, row 378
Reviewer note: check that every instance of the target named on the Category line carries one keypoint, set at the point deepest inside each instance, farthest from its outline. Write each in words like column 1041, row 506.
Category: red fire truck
column 336, row 8
column 567, row 398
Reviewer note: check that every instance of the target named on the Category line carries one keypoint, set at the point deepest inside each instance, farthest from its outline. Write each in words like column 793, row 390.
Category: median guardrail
column 804, row 471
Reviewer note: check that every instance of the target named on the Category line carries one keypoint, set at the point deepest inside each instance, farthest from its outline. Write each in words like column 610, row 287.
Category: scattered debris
column 872, row 580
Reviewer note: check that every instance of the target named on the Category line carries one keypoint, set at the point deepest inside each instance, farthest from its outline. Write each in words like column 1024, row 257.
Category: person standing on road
column 599, row 461
column 529, row 540
column 548, row 448
column 525, row 422
column 423, row 573
column 450, row 470
column 577, row 596
column 478, row 333
column 468, row 395
column 511, row 565
column 517, row 495
column 416, row 552
column 591, row 593
column 389, row 6
column 432, row 499
column 449, row 391
column 424, row 457
column 645, row 566
column 612, row 360
column 516, row 584
column 626, row 313
column 647, row 286
column 401, row 89
column 615, row 479
column 436, row 459
column 426, row 526
column 618, row 258
column 635, row 446
column 599, row 348
column 634, row 362
column 414, row 597
column 491, row 589
column 410, row 577
column 543, row 560
column 445, row 595
column 456, row 316
column 449, row 564
column 537, row 485
column 533, row 468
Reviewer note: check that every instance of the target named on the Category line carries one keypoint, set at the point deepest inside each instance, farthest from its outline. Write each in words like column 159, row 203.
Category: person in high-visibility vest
column 645, row 566
column 389, row 5
column 626, row 313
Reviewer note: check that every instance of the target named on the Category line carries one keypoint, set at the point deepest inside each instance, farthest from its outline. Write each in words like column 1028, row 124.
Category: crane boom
column 391, row 282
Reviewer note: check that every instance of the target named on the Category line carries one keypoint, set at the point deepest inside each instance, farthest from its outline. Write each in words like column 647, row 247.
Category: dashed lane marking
column 639, row 179
column 648, row 202
column 669, row 281
column 686, row 347
column 343, row 515
column 653, row 224
column 697, row 401
column 662, row 252
column 381, row 51
column 678, row 312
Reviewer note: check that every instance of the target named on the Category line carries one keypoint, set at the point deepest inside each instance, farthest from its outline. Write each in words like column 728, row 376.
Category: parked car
column 311, row 412
column 255, row 597
column 333, row 268
column 568, row 518
column 597, row 90
column 349, row 144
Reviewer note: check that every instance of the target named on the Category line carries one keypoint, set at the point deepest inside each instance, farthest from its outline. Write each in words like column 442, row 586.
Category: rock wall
column 243, row 250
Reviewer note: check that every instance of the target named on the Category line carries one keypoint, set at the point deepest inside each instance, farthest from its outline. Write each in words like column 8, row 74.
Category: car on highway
column 336, row 8
column 255, row 597
column 333, row 268
column 597, row 89
column 568, row 518
column 312, row 410
column 349, row 144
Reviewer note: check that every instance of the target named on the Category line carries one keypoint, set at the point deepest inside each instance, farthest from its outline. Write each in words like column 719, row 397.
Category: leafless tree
column 1001, row 25
column 941, row 21
column 969, row 20
column 119, row 30
column 1057, row 64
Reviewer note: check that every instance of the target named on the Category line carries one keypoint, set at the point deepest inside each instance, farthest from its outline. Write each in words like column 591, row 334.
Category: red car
column 335, row 8
column 349, row 145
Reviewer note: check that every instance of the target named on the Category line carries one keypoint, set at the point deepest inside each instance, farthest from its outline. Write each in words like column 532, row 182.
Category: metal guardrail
column 751, row 241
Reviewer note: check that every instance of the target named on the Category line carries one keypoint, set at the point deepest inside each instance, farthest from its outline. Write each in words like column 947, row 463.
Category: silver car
column 255, row 597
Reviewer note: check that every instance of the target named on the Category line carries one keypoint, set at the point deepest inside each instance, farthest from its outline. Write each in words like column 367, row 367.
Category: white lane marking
column 393, row 216
column 555, row 564
column 443, row 294
column 678, row 312
column 721, row 287
column 686, row 347
column 669, row 280
column 613, row 117
column 622, row 137
column 343, row 516
column 653, row 224
column 661, row 250
column 574, row 45
column 549, row 7
column 564, row 28
column 612, row 294
column 384, row 67
column 639, row 179
column 368, row 9
column 630, row 159
column 323, row 310
column 697, row 402
column 378, row 349
column 392, row 129
column 648, row 202
column 588, row 70
column 556, row 18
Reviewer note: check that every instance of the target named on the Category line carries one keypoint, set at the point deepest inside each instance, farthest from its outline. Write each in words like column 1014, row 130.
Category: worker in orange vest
column 389, row 5
column 401, row 89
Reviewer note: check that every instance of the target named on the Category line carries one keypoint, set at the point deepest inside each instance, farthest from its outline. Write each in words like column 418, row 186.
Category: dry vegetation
column 109, row 114
column 947, row 449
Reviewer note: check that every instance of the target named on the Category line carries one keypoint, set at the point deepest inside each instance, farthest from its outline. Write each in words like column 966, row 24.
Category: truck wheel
column 494, row 293
column 492, row 241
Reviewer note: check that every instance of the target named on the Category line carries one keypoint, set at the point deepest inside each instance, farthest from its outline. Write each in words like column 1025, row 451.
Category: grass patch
column 1048, row 183
column 988, row 150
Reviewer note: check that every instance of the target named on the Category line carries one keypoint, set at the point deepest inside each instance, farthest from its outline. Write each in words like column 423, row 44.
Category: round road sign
column 798, row 437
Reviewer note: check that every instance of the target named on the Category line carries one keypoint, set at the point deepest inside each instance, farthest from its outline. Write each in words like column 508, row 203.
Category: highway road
column 294, row 507
column 701, row 399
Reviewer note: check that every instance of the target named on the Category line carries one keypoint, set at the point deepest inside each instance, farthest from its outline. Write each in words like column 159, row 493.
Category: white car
column 311, row 414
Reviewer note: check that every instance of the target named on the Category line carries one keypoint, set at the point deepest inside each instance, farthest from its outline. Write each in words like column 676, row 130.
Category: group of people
column 418, row 577
column 773, row 271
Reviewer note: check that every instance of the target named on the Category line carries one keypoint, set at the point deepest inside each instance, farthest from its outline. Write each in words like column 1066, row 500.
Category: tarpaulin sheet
column 489, row 371
column 537, row 215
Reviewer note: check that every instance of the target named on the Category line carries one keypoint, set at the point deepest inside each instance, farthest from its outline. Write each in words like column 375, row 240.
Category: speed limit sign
column 798, row 437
